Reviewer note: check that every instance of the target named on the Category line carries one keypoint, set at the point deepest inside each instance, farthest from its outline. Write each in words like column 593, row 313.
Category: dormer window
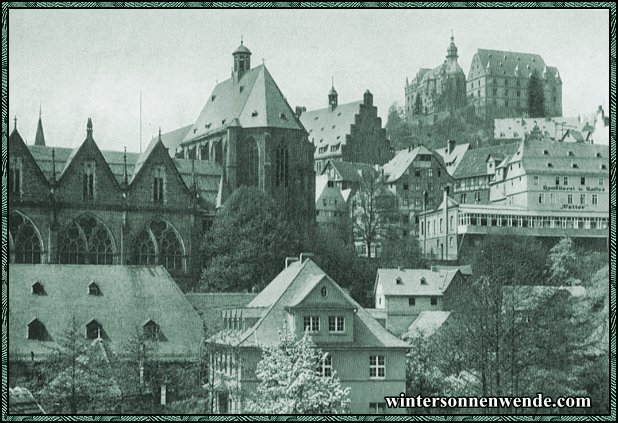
column 549, row 164
column 38, row 288
column 152, row 330
column 603, row 167
column 94, row 330
column 283, row 116
column 93, row 289
column 545, row 153
column 423, row 281
column 88, row 180
column 311, row 323
column 255, row 113
column 570, row 154
column 598, row 154
column 575, row 166
column 336, row 324
column 213, row 98
column 223, row 122
column 398, row 281
column 37, row 331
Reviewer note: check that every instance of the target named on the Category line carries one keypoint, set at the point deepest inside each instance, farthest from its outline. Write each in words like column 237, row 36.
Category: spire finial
column 40, row 110
column 263, row 61
column 332, row 82
column 53, row 165
column 452, row 36
column 89, row 127
column 15, row 123
column 159, row 133
column 241, row 41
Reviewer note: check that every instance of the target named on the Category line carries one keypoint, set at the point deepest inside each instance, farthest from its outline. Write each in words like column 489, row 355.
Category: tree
column 418, row 105
column 81, row 378
column 423, row 375
column 248, row 243
column 398, row 129
column 402, row 251
column 536, row 95
column 292, row 382
column 370, row 208
column 561, row 263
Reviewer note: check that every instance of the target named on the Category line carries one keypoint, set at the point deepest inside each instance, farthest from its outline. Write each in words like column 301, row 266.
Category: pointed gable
column 40, row 137
column 106, row 187
column 34, row 184
column 176, row 191
column 253, row 101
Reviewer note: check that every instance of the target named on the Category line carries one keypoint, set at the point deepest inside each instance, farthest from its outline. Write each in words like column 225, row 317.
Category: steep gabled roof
column 351, row 171
column 39, row 138
column 253, row 101
column 171, row 140
column 453, row 159
column 328, row 127
column 426, row 324
column 130, row 296
column 288, row 289
column 473, row 162
column 402, row 161
column 503, row 63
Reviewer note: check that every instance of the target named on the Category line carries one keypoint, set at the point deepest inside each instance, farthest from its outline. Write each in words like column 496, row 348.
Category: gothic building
column 498, row 82
column 88, row 206
column 350, row 132
column 248, row 128
column 438, row 89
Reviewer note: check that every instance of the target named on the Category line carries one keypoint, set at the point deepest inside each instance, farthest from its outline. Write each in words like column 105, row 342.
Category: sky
column 75, row 64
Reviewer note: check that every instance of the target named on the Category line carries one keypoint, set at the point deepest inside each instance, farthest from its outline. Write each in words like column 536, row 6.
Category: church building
column 248, row 128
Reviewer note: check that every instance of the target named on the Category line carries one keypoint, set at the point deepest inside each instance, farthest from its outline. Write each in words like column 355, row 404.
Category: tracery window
column 86, row 241
column 281, row 166
column 15, row 176
column 158, row 243
column 88, row 180
column 25, row 244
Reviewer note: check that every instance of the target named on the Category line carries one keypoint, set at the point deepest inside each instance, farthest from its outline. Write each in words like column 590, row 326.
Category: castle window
column 570, row 199
column 582, row 199
column 86, row 240
column 88, row 180
column 557, row 180
column 94, row 330
column 152, row 330
column 15, row 176
column 38, row 288
column 565, row 180
column 25, row 246
column 595, row 199
column 93, row 289
column 158, row 185
column 411, row 301
column 37, row 331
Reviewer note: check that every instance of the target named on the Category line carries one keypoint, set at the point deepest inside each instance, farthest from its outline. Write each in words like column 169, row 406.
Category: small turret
column 242, row 60
column 332, row 96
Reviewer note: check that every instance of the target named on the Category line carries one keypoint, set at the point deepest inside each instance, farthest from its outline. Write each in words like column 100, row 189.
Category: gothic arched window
column 159, row 243
column 25, row 244
column 249, row 157
column 86, row 241
column 281, row 165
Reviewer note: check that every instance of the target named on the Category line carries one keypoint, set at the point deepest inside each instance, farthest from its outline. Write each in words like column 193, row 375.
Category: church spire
column 89, row 128
column 39, row 139
column 332, row 94
column 452, row 49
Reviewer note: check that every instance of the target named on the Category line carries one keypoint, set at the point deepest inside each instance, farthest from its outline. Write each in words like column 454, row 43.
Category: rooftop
column 419, row 282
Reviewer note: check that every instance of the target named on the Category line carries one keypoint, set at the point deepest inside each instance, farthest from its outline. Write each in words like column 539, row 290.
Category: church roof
column 254, row 101
column 130, row 296
column 171, row 140
column 328, row 127
column 350, row 171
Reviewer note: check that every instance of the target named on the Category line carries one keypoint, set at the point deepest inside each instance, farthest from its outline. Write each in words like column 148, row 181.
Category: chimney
column 300, row 110
column 290, row 260
column 303, row 256
column 451, row 145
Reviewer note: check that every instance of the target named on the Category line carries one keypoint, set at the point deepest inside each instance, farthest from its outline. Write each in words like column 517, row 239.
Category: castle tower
column 242, row 61
column 451, row 51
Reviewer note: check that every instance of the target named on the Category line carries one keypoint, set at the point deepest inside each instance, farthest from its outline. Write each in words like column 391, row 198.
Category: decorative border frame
column 479, row 5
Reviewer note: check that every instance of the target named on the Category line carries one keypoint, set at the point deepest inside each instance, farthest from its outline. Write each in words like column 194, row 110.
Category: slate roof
column 436, row 282
column 350, row 171
column 328, row 127
column 473, row 162
column 453, row 160
column 426, row 324
column 254, row 101
column 395, row 168
column 465, row 269
column 553, row 127
column 207, row 173
column 288, row 289
column 130, row 296
column 505, row 63
column 39, row 138
column 171, row 140
column 575, row 158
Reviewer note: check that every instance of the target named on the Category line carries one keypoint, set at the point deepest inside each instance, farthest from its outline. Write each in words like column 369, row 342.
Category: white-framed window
column 326, row 369
column 595, row 199
column 582, row 199
column 377, row 367
column 565, row 180
column 336, row 323
column 570, row 198
column 311, row 323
